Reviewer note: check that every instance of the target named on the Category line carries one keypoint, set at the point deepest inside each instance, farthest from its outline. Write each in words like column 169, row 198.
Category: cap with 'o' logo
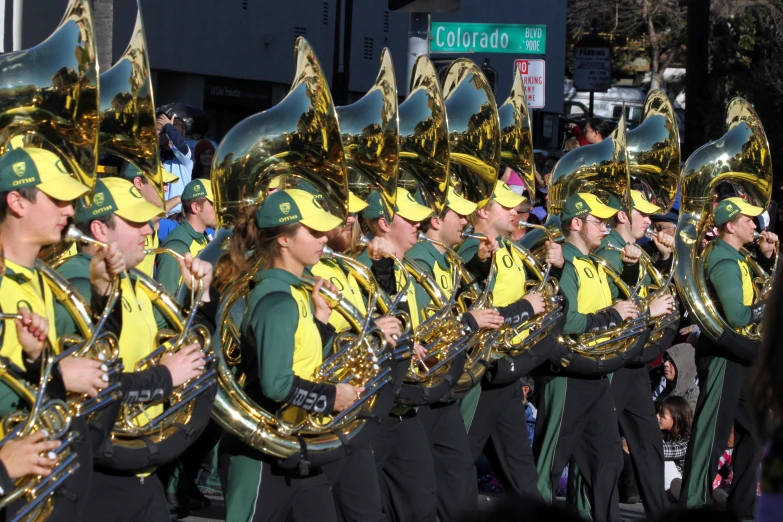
column 582, row 203
column 117, row 196
column 731, row 207
column 198, row 188
column 31, row 167
column 289, row 206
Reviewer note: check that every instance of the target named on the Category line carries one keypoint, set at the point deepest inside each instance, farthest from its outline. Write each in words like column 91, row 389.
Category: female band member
column 284, row 336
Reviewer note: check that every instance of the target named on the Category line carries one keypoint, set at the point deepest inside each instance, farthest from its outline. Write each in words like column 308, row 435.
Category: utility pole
column 697, row 94
column 17, row 20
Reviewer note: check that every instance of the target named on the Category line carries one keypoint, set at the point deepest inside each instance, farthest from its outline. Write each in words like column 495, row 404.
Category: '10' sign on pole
column 533, row 77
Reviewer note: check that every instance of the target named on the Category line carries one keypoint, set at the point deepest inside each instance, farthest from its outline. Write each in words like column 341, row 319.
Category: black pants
column 355, row 487
column 636, row 412
column 256, row 489
column 125, row 497
column 191, row 461
column 723, row 403
column 577, row 419
column 455, row 472
column 405, row 469
column 499, row 429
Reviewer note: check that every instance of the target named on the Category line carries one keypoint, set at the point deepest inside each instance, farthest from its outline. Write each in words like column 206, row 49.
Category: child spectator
column 677, row 375
column 674, row 418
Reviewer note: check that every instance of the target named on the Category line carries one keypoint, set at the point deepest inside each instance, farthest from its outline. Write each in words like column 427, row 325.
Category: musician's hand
column 625, row 448
column 487, row 318
column 31, row 330
column 662, row 305
column 188, row 363
column 419, row 352
column 554, row 254
column 627, row 310
column 487, row 248
column 632, row 253
column 391, row 328
column 767, row 243
column 105, row 265
column 687, row 330
column 322, row 308
column 537, row 300
column 664, row 243
column 82, row 375
column 193, row 270
column 29, row 456
column 345, row 396
column 380, row 248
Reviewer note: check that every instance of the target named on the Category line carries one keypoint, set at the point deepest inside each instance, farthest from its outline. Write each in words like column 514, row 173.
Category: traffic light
column 424, row 6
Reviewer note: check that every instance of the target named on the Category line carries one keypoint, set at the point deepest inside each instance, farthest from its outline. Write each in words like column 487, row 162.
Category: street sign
column 592, row 64
column 458, row 37
column 533, row 77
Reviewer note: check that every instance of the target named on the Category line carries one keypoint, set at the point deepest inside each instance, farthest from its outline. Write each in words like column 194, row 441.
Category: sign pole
column 418, row 42
column 590, row 109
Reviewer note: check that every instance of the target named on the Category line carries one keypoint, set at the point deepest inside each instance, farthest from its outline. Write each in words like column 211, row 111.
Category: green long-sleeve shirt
column 281, row 339
column 182, row 239
column 729, row 275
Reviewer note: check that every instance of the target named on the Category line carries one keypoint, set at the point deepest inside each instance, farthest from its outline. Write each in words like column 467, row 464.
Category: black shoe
column 720, row 496
column 181, row 503
column 675, row 487
column 633, row 499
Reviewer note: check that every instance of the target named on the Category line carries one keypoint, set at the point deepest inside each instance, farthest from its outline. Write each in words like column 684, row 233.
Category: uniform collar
column 570, row 252
column 430, row 250
column 199, row 236
column 279, row 274
column 616, row 239
column 727, row 248
column 18, row 273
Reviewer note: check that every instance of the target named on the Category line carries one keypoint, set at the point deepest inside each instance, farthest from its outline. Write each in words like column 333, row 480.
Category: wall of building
column 235, row 57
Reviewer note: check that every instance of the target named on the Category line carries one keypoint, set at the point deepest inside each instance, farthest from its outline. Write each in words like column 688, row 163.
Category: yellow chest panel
column 308, row 352
column 36, row 296
column 347, row 285
column 410, row 297
column 510, row 279
column 444, row 278
column 748, row 292
column 594, row 292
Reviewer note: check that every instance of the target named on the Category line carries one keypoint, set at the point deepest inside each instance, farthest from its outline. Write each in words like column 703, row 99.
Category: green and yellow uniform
column 722, row 367
column 282, row 346
column 151, row 242
column 576, row 413
column 334, row 272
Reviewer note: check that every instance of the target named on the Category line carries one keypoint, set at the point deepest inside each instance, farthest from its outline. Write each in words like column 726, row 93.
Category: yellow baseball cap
column 132, row 172
column 505, row 196
column 406, row 206
column 295, row 206
column 355, row 203
column 32, row 167
column 730, row 207
column 582, row 203
column 640, row 203
column 460, row 205
column 117, row 196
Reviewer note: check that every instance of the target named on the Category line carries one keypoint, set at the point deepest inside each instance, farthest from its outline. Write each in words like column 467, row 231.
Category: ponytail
column 251, row 247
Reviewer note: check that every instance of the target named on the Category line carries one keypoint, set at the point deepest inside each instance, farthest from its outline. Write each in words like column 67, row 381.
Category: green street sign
column 457, row 37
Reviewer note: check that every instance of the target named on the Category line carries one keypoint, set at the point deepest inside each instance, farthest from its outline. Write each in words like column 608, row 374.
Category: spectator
column 677, row 376
column 175, row 156
column 675, row 419
column 528, row 387
column 596, row 130
column 571, row 144
column 722, row 483
column 202, row 159
column 523, row 213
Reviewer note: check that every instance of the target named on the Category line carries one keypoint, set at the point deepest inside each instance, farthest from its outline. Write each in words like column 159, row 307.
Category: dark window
column 368, row 48
column 300, row 31
column 386, row 21
column 326, row 13
column 244, row 4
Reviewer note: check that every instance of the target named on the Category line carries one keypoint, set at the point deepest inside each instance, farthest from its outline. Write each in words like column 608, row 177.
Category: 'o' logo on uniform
column 336, row 282
column 444, row 281
column 304, row 310
column 19, row 168
column 99, row 199
column 23, row 304
column 507, row 262
column 125, row 304
column 589, row 273
column 285, row 208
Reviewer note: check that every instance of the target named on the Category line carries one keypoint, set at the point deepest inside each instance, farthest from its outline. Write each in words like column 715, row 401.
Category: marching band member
column 401, row 448
column 354, row 478
column 198, row 214
column 285, row 334
column 143, row 185
column 454, row 465
column 577, row 417
column 723, row 368
column 36, row 197
column 120, row 215
column 630, row 385
column 497, row 412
